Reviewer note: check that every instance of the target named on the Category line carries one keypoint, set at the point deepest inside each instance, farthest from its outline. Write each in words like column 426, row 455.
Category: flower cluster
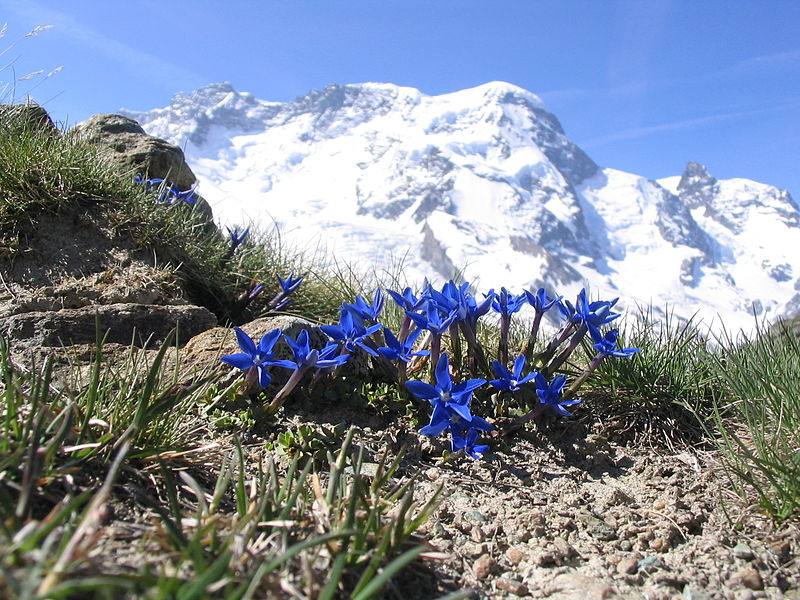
column 449, row 315
column 168, row 193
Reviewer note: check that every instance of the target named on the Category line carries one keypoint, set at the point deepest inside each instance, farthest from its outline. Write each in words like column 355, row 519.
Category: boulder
column 124, row 142
column 124, row 324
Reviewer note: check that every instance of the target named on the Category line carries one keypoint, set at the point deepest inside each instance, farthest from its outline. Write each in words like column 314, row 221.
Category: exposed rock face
column 123, row 141
column 122, row 324
column 697, row 186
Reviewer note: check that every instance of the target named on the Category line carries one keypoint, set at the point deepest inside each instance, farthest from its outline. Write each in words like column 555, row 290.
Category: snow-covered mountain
column 485, row 180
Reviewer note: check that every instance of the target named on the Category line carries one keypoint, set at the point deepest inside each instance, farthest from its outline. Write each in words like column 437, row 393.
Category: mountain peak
column 695, row 169
column 501, row 91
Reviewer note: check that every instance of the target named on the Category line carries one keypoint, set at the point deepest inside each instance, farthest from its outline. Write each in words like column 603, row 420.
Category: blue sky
column 641, row 86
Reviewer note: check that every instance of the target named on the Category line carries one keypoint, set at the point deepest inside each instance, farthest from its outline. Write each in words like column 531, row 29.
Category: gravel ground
column 566, row 517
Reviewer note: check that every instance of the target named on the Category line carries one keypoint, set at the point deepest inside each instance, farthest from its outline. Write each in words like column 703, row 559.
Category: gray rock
column 597, row 527
column 650, row 563
column 743, row 551
column 123, row 141
column 475, row 516
column 691, row 593
column 512, row 586
column 124, row 324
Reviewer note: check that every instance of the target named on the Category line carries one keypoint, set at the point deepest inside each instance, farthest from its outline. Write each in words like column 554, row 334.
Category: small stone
column 511, row 586
column 750, row 578
column 563, row 550
column 515, row 555
column 782, row 551
column 483, row 566
column 545, row 559
column 477, row 535
column 626, row 545
column 690, row 593
column 628, row 566
column 660, row 544
column 598, row 528
column 588, row 587
column 475, row 516
column 432, row 474
column 650, row 563
column 669, row 580
column 659, row 504
column 473, row 549
column 743, row 551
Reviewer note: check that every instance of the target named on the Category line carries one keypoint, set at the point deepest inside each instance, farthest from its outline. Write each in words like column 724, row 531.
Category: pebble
column 477, row 534
column 628, row 566
column 483, row 566
column 563, row 550
column 743, row 551
column 660, row 544
column 588, row 587
column 511, row 586
column 650, row 563
column 750, row 578
column 782, row 551
column 472, row 549
column 690, row 593
column 432, row 474
column 475, row 516
column 515, row 555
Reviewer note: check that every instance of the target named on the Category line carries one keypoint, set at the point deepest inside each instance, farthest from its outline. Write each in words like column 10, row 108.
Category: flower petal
column 443, row 381
column 246, row 343
column 239, row 360
column 268, row 340
column 462, row 410
column 264, row 377
column 422, row 390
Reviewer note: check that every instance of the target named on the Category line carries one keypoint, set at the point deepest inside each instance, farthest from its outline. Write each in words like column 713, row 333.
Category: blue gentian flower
column 237, row 237
column 506, row 303
column 508, row 380
column 448, row 401
column 402, row 351
column 257, row 357
column 290, row 284
column 305, row 356
column 187, row 196
column 407, row 300
column 350, row 333
column 466, row 442
column 364, row 310
column 591, row 314
column 255, row 291
column 432, row 320
column 540, row 301
column 607, row 346
column 476, row 310
column 550, row 394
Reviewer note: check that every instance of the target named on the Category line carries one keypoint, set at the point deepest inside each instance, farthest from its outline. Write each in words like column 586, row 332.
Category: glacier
column 485, row 182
